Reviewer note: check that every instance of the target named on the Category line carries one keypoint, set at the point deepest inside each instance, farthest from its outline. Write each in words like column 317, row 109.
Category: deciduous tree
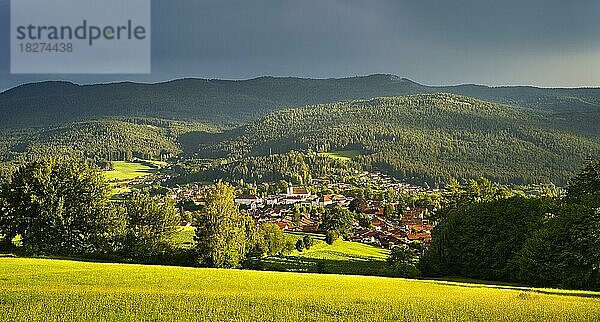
column 221, row 233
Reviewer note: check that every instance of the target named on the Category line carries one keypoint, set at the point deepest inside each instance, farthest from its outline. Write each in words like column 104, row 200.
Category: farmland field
column 57, row 290
column 344, row 155
column 124, row 171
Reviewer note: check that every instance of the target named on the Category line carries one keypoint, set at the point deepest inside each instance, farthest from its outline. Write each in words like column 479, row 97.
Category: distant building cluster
column 283, row 209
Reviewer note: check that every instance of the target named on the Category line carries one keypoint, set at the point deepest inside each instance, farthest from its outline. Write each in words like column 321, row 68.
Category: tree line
column 298, row 168
column 61, row 206
column 119, row 139
column 545, row 241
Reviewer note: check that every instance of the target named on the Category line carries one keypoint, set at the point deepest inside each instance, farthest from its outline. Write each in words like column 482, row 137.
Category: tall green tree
column 587, row 181
column 389, row 211
column 221, row 231
column 358, row 205
column 565, row 252
column 5, row 239
column 331, row 236
column 273, row 239
column 403, row 261
column 338, row 219
column 308, row 241
column 151, row 224
column 482, row 240
column 58, row 206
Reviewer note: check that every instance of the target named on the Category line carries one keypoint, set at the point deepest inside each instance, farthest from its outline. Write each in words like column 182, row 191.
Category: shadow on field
column 473, row 283
column 322, row 266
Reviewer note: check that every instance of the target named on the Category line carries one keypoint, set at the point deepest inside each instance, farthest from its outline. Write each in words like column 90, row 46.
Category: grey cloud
column 434, row 42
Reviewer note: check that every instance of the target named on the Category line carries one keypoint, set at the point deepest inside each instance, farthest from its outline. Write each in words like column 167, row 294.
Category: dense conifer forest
column 422, row 138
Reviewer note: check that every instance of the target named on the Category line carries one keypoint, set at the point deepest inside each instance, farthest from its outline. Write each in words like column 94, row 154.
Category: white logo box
column 80, row 37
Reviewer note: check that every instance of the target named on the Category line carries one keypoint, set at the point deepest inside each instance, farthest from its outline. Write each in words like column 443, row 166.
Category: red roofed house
column 424, row 237
column 326, row 200
column 297, row 192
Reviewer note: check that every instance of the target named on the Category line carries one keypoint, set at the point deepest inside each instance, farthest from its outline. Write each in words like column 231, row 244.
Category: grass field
column 345, row 250
column 125, row 171
column 344, row 155
column 56, row 290
column 343, row 257
column 184, row 238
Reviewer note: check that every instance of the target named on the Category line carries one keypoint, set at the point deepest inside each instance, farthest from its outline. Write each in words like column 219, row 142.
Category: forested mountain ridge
column 230, row 103
column 425, row 138
column 513, row 134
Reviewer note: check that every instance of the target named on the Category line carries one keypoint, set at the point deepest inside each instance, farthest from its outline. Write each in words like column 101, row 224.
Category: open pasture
column 58, row 290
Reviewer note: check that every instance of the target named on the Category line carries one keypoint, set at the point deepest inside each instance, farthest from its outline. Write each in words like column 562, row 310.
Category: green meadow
column 343, row 257
column 60, row 290
column 344, row 250
column 125, row 171
column 184, row 237
column 344, row 155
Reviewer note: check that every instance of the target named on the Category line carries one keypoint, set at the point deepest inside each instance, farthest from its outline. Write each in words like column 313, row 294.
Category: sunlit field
column 184, row 237
column 53, row 290
column 124, row 171
column 345, row 250
column 344, row 155
column 343, row 257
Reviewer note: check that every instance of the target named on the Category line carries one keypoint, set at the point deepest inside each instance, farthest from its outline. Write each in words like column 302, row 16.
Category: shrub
column 331, row 236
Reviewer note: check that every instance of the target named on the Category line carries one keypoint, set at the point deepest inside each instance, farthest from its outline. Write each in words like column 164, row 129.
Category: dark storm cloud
column 551, row 43
column 512, row 23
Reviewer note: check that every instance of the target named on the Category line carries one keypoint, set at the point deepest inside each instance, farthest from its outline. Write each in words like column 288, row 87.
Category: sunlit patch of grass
column 184, row 237
column 125, row 170
column 344, row 155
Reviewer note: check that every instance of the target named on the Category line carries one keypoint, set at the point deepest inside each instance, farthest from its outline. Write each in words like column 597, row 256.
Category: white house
column 251, row 201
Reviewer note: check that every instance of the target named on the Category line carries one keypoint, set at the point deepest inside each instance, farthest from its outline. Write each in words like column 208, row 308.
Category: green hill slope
column 110, row 139
column 424, row 138
column 51, row 290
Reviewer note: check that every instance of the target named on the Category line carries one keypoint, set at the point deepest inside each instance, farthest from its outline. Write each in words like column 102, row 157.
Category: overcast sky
column 509, row 42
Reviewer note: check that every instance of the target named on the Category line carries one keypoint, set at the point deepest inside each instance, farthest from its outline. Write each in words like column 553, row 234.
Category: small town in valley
column 378, row 221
